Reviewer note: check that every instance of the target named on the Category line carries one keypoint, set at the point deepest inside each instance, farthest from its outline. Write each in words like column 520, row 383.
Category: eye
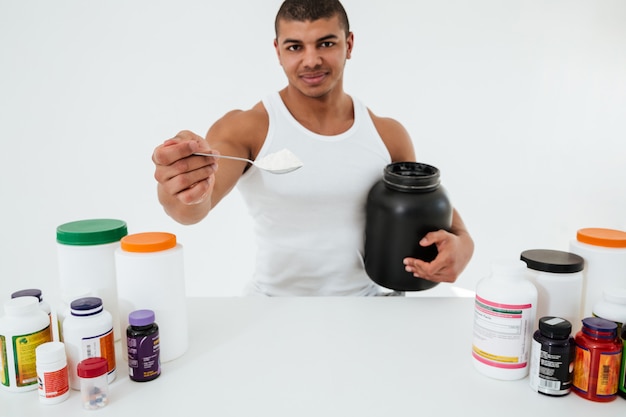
column 294, row 48
column 327, row 44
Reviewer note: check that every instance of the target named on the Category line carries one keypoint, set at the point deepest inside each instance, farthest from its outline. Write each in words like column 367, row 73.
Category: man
column 309, row 224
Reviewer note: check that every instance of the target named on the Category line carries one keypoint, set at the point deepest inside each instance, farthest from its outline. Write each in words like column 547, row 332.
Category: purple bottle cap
column 141, row 318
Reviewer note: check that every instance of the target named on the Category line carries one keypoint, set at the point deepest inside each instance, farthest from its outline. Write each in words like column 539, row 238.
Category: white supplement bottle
column 612, row 306
column 504, row 316
column 88, row 333
column 52, row 373
column 150, row 275
column 86, row 260
column 558, row 277
column 604, row 252
column 23, row 327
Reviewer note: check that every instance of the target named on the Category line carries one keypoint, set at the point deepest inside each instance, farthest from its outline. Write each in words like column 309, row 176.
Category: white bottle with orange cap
column 604, row 252
column 150, row 275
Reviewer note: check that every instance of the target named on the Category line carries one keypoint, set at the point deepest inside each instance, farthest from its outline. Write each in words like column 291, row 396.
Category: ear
column 277, row 51
column 349, row 45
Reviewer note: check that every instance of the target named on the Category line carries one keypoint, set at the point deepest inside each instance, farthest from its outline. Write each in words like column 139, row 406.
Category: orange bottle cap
column 148, row 242
column 609, row 238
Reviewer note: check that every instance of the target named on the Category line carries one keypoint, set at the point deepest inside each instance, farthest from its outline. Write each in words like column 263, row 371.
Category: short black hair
column 310, row 10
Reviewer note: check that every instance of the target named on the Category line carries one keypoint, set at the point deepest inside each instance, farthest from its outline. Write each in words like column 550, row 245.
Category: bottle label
column 102, row 345
column 550, row 370
column 54, row 384
column 606, row 379
column 502, row 333
column 143, row 357
column 4, row 366
column 24, row 355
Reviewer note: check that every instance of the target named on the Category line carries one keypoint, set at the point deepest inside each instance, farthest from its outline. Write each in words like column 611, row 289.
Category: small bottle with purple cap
column 142, row 336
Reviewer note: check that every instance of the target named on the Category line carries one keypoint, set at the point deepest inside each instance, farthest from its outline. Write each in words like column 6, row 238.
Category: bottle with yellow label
column 23, row 327
column 597, row 360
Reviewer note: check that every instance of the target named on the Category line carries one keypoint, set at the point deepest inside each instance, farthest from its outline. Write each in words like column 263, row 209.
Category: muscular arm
column 189, row 186
column 455, row 247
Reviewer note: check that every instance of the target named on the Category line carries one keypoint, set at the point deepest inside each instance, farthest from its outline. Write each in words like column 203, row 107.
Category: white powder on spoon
column 280, row 160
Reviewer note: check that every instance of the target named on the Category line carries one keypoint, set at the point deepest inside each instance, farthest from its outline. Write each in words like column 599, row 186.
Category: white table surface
column 379, row 356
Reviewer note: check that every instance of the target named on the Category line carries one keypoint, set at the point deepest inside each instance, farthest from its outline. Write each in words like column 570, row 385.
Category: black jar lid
column 555, row 327
column 547, row 260
column 411, row 176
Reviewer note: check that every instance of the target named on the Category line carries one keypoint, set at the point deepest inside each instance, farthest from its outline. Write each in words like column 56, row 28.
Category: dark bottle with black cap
column 552, row 357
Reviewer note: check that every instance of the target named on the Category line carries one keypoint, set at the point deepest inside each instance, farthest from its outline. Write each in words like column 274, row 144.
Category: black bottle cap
column 555, row 327
column 547, row 260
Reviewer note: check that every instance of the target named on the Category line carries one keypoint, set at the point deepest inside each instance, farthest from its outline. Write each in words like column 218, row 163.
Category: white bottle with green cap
column 86, row 260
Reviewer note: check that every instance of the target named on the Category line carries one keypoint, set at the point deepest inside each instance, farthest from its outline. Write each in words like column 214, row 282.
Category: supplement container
column 52, row 373
column 504, row 313
column 612, row 306
column 597, row 362
column 142, row 337
column 558, row 277
column 552, row 357
column 94, row 386
column 86, row 260
column 150, row 275
column 621, row 386
column 34, row 292
column 604, row 252
column 88, row 333
column 22, row 329
column 401, row 209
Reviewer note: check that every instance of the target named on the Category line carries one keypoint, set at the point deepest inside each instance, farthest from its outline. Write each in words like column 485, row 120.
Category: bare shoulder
column 396, row 138
column 240, row 131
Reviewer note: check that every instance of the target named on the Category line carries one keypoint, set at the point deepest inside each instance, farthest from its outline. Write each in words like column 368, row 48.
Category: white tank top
column 310, row 224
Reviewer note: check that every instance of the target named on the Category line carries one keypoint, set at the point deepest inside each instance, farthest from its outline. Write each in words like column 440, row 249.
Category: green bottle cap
column 91, row 232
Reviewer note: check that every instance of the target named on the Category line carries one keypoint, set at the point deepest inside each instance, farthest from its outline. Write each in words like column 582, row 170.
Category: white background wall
column 520, row 103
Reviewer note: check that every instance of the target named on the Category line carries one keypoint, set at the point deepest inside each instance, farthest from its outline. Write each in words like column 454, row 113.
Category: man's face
column 313, row 54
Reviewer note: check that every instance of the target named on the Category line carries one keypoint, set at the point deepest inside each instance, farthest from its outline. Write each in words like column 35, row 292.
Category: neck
column 330, row 114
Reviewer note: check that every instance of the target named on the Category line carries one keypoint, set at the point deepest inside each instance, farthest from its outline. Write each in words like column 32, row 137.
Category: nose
column 311, row 58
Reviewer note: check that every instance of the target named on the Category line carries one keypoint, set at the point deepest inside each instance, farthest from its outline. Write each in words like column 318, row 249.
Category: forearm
column 185, row 214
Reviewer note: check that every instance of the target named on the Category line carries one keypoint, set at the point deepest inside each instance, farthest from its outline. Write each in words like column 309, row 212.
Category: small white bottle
column 23, row 327
column 52, row 373
column 504, row 315
column 612, row 306
column 35, row 292
column 88, row 333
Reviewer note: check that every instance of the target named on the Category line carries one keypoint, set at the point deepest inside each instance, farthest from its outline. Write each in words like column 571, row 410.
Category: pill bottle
column 86, row 260
column 401, row 208
column 23, row 327
column 621, row 386
column 612, row 306
column 34, row 292
column 597, row 361
column 604, row 252
column 142, row 337
column 88, row 333
column 552, row 357
column 52, row 373
column 150, row 275
column 504, row 313
column 94, row 385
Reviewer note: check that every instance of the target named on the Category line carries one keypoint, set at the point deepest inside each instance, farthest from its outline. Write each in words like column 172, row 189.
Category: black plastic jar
column 402, row 208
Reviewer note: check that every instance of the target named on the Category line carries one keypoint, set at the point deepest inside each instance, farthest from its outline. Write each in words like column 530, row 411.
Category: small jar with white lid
column 558, row 277
column 612, row 306
column 52, row 373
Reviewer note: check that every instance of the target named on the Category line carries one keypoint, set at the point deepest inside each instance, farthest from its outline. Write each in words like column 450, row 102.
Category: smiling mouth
column 313, row 78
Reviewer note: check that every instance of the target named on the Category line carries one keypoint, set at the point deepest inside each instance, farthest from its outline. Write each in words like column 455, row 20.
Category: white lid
column 509, row 269
column 21, row 305
column 50, row 352
column 615, row 295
